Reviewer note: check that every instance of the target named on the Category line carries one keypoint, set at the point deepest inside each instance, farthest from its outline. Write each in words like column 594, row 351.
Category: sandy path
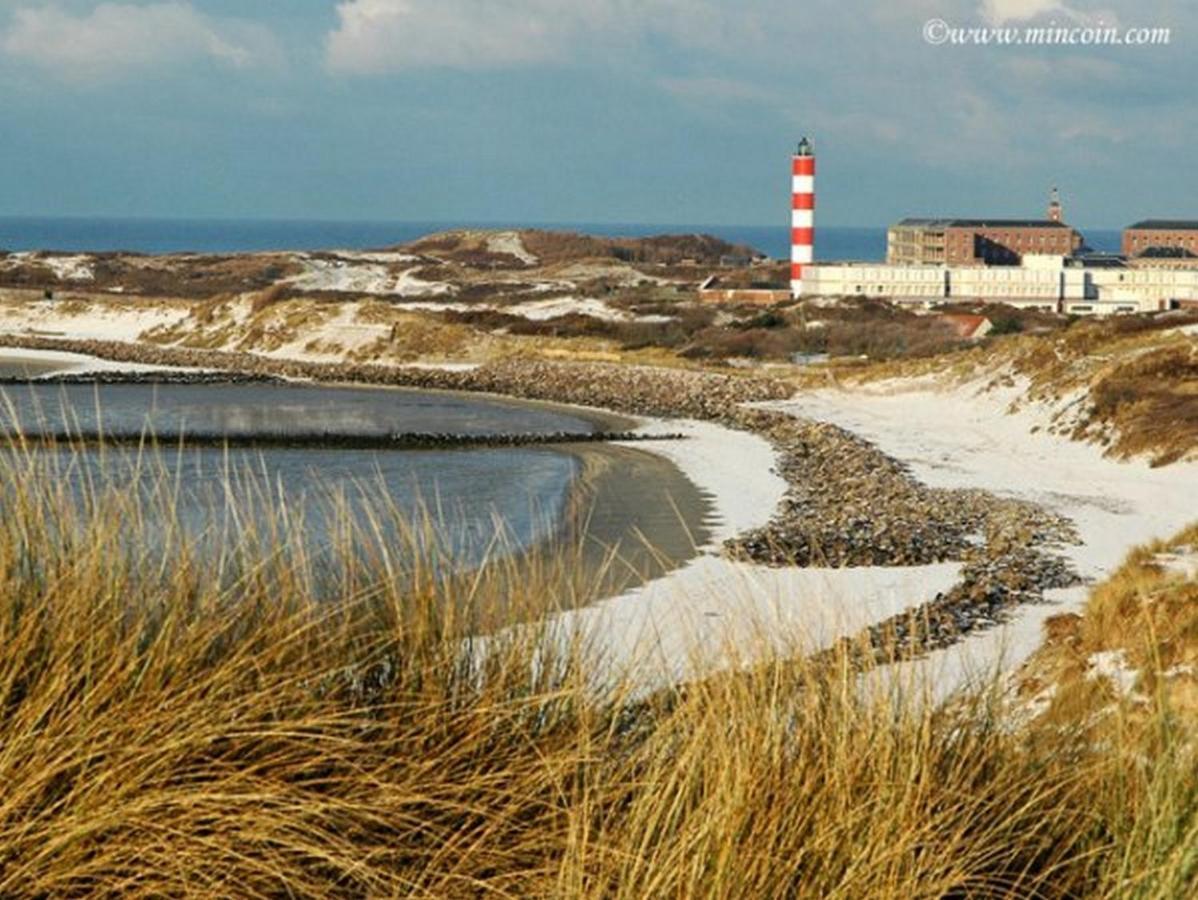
column 959, row 437
column 56, row 362
column 713, row 612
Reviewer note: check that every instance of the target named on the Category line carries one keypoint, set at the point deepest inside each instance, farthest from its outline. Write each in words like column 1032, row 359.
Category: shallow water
column 473, row 496
column 246, row 409
column 627, row 502
column 13, row 365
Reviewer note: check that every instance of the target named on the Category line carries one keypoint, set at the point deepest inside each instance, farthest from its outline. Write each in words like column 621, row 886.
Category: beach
column 753, row 585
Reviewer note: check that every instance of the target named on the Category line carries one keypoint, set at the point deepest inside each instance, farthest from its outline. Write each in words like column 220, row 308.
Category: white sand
column 70, row 268
column 1182, row 563
column 961, row 438
column 342, row 276
column 364, row 273
column 100, row 322
column 387, row 257
column 538, row 310
column 511, row 243
column 441, row 366
column 441, row 306
column 65, row 268
column 541, row 310
column 76, row 363
column 613, row 271
column 1112, row 667
column 408, row 285
column 338, row 334
column 714, row 613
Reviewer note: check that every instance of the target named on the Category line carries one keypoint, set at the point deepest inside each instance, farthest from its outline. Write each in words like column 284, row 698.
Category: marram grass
column 181, row 718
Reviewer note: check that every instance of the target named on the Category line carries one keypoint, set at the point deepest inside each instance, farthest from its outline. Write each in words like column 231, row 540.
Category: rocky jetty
column 326, row 440
column 148, row 376
column 638, row 390
column 851, row 505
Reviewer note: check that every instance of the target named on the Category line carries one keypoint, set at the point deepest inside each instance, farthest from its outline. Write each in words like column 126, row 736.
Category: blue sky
column 655, row 111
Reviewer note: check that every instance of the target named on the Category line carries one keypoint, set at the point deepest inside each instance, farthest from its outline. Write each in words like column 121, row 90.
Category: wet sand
column 634, row 516
column 18, row 365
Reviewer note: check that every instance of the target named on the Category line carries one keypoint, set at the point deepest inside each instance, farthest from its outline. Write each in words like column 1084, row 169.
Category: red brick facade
column 1001, row 245
column 1179, row 238
column 958, row 242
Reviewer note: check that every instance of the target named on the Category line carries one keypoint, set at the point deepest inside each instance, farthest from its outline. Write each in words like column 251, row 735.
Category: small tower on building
column 1054, row 206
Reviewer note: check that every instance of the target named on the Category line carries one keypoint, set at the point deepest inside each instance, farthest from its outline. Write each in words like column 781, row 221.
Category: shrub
column 268, row 297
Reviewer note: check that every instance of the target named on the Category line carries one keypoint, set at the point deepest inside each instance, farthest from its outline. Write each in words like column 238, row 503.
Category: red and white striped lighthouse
column 802, row 215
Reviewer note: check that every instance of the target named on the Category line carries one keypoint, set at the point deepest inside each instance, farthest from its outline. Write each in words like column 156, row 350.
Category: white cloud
column 999, row 12
column 389, row 35
column 711, row 88
column 116, row 39
column 376, row 35
column 1030, row 72
column 1002, row 12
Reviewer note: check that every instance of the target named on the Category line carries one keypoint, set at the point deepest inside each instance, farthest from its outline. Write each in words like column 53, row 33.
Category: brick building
column 995, row 242
column 1162, row 239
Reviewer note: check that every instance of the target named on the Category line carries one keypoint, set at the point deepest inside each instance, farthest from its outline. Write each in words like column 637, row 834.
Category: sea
column 230, row 236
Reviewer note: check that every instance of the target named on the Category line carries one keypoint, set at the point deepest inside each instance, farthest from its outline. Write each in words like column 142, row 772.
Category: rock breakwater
column 851, row 505
column 639, row 390
column 324, row 440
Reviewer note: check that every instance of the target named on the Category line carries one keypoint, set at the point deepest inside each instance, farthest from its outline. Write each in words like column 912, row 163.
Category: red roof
column 967, row 326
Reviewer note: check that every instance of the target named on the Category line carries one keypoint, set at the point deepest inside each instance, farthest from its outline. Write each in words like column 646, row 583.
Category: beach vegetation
column 244, row 713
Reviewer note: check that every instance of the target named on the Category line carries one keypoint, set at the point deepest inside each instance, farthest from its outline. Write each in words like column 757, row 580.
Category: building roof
column 1168, row 253
column 1165, row 225
column 966, row 325
column 982, row 223
column 1096, row 259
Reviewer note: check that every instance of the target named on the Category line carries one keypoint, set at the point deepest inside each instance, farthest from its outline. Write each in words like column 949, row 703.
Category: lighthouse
column 802, row 215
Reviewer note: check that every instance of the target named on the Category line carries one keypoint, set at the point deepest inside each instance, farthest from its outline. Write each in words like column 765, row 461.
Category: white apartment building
column 1052, row 283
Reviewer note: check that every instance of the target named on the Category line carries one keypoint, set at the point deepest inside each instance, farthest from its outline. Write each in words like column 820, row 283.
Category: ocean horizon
column 148, row 235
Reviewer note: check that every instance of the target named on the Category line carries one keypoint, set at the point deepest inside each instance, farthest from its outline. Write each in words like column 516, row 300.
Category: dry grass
column 1148, row 608
column 1149, row 403
column 1146, row 614
column 1123, row 679
column 378, row 332
column 1137, row 378
column 256, row 719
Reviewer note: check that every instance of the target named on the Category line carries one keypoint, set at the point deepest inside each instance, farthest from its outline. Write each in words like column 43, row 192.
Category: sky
column 645, row 111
